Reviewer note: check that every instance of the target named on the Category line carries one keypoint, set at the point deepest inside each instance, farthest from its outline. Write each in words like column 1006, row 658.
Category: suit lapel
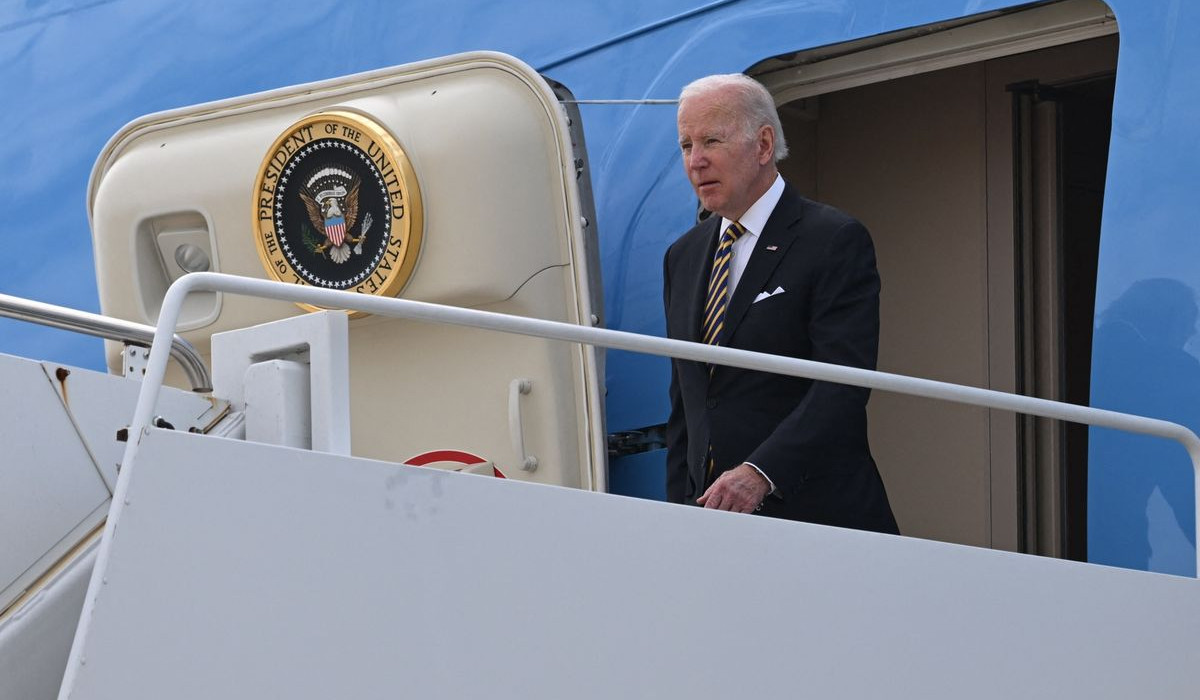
column 773, row 243
column 700, row 258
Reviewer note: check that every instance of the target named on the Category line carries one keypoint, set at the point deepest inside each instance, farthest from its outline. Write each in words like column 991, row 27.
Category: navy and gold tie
column 717, row 302
column 718, row 285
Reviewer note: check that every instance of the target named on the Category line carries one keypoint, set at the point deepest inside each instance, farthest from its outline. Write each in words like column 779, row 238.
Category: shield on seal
column 335, row 229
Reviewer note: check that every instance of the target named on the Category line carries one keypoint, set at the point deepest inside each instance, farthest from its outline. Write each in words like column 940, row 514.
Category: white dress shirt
column 754, row 221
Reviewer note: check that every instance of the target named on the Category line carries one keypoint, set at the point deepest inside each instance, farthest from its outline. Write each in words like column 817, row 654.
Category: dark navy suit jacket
column 809, row 437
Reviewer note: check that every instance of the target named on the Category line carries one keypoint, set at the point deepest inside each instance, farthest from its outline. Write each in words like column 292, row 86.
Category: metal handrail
column 620, row 340
column 99, row 326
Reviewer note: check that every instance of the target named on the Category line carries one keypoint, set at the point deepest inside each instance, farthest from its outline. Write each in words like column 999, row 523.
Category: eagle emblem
column 331, row 197
column 322, row 184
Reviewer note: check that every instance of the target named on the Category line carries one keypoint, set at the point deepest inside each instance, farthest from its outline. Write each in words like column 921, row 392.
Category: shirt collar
column 755, row 218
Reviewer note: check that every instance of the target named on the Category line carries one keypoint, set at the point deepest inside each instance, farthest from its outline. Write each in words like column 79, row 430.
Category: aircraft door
column 460, row 181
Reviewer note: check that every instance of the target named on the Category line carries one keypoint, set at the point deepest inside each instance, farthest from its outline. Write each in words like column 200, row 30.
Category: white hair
column 752, row 103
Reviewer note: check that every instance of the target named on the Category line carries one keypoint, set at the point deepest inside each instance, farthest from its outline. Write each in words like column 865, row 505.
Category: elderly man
column 769, row 271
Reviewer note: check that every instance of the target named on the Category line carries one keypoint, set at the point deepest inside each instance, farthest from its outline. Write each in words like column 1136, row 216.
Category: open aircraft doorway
column 976, row 153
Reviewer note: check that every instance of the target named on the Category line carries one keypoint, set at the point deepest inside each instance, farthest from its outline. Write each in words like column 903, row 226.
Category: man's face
column 728, row 170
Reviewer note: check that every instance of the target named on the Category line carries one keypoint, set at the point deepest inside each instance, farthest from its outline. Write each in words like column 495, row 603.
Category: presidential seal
column 336, row 205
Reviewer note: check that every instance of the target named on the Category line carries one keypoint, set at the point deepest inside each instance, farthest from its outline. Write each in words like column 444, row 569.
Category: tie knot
column 735, row 230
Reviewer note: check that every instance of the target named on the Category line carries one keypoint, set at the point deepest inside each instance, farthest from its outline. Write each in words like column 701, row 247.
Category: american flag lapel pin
column 772, row 248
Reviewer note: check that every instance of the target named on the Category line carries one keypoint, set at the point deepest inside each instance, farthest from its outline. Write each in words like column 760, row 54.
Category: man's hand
column 741, row 489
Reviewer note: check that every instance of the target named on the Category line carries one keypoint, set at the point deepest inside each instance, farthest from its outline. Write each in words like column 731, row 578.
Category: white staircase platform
column 242, row 570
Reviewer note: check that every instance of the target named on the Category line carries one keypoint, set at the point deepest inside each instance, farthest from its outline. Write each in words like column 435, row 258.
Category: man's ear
column 766, row 144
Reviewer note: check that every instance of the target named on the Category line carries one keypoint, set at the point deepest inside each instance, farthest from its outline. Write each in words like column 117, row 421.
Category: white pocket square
column 764, row 295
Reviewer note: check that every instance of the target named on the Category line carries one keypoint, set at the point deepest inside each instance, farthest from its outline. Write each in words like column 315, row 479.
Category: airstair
column 230, row 568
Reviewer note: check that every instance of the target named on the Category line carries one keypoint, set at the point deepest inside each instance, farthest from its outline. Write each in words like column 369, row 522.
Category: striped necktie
column 718, row 284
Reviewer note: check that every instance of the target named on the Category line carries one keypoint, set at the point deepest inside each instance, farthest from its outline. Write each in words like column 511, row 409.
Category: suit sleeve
column 677, row 443
column 827, row 430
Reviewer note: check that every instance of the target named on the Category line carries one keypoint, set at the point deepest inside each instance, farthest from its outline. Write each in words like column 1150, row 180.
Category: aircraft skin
column 74, row 72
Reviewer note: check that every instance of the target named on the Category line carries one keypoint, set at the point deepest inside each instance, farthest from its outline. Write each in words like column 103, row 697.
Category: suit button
column 711, row 403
